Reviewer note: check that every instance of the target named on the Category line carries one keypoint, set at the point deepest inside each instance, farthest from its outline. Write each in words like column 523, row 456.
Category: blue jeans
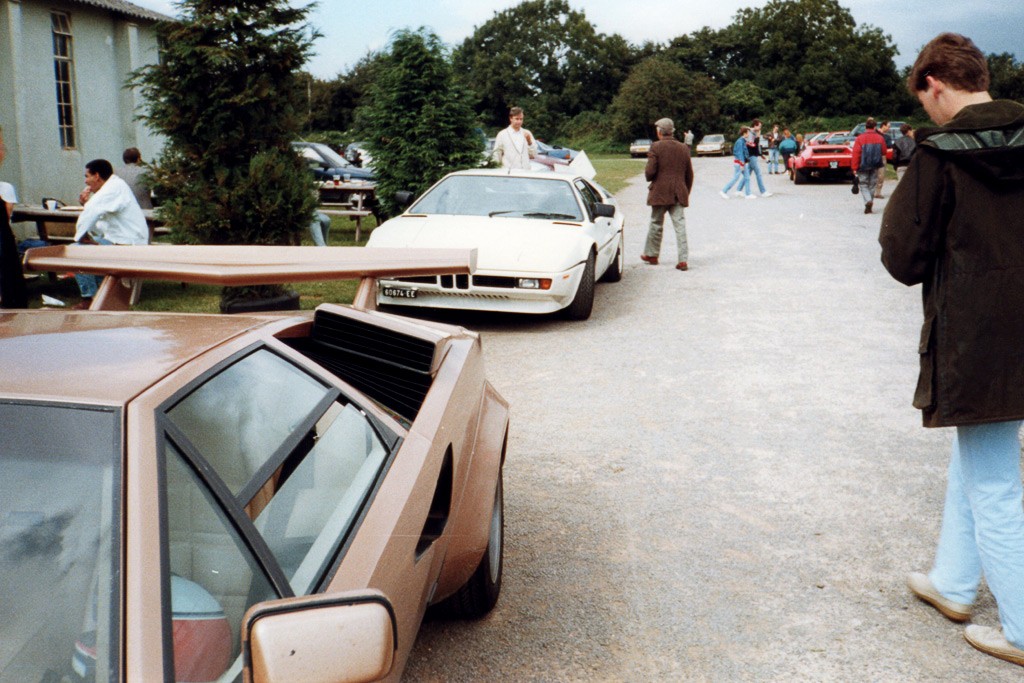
column 319, row 228
column 773, row 159
column 88, row 285
column 983, row 523
column 737, row 173
column 755, row 168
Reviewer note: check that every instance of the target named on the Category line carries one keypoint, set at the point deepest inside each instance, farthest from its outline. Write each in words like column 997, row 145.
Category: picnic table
column 358, row 205
column 68, row 214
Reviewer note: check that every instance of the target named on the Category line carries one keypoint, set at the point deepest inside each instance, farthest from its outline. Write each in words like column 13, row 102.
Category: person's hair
column 744, row 129
column 755, row 123
column 953, row 59
column 906, row 128
column 100, row 167
column 785, row 130
column 132, row 155
column 883, row 124
column 870, row 123
column 515, row 111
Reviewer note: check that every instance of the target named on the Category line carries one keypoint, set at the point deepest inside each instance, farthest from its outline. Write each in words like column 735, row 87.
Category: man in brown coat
column 670, row 173
column 954, row 225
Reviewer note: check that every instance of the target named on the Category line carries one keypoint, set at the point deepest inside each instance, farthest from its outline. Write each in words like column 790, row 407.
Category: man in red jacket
column 670, row 173
column 868, row 161
column 954, row 225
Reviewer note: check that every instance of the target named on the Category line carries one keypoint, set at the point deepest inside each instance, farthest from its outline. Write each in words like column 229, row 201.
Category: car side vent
column 392, row 368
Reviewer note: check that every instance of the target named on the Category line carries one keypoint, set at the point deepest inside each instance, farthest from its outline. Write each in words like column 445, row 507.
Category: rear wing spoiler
column 243, row 265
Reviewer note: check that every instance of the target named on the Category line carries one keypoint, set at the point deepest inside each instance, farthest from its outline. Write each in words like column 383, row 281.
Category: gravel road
column 719, row 476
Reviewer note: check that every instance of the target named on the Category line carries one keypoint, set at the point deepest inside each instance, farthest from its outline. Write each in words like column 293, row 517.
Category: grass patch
column 613, row 170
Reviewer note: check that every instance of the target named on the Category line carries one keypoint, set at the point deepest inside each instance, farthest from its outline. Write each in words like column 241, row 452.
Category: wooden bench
column 350, row 209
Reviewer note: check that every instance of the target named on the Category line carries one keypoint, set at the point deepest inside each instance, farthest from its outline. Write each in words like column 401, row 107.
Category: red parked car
column 822, row 161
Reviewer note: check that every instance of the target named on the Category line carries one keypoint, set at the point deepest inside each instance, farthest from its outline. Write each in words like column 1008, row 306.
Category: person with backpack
column 868, row 161
column 902, row 150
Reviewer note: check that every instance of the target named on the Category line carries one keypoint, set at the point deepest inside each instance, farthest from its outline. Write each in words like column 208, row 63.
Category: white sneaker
column 992, row 642
column 724, row 195
column 766, row 194
column 751, row 196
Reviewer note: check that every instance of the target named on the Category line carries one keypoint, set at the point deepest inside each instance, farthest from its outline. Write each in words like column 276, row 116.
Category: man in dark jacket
column 868, row 161
column 955, row 224
column 670, row 174
column 902, row 150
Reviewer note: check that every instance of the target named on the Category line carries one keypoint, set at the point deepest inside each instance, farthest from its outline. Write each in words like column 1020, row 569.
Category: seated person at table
column 8, row 196
column 111, row 216
column 132, row 173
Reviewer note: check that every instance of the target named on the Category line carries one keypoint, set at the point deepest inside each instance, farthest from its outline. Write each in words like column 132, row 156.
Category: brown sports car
column 280, row 496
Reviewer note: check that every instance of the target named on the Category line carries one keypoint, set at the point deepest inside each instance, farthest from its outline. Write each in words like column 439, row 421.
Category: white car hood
column 503, row 244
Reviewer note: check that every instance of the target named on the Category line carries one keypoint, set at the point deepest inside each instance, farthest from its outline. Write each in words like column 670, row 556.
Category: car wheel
column 583, row 303
column 799, row 177
column 614, row 272
column 479, row 595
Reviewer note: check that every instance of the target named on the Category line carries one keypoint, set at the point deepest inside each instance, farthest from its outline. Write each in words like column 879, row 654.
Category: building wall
column 106, row 48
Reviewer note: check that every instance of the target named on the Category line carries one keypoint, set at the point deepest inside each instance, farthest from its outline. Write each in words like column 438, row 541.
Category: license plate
column 833, row 164
column 399, row 292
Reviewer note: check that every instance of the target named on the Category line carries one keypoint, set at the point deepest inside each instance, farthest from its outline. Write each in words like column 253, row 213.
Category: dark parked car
column 331, row 170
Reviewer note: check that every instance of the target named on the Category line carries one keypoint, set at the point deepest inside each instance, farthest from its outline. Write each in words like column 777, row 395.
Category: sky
column 353, row 29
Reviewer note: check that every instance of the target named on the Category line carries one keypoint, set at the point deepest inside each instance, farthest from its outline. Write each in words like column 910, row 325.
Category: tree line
column 790, row 61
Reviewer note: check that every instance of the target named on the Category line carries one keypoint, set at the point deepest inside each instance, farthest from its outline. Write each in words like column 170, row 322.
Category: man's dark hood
column 986, row 140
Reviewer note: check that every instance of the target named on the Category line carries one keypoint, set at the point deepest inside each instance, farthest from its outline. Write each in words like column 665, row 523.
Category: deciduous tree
column 545, row 57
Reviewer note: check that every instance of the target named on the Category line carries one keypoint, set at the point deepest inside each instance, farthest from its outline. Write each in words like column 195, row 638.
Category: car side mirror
column 605, row 210
column 320, row 638
column 403, row 198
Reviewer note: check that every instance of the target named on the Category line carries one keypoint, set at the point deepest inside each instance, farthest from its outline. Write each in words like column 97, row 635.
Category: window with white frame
column 64, row 75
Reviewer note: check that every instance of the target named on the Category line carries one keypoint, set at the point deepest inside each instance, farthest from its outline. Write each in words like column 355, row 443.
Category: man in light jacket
column 111, row 215
column 515, row 146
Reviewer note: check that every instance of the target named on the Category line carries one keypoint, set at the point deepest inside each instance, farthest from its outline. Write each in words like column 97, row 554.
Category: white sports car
column 542, row 241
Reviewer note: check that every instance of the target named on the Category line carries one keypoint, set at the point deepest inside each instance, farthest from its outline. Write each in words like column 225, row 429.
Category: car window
column 240, row 417
column 591, row 197
column 213, row 579
column 500, row 196
column 298, row 457
column 59, row 569
column 313, row 508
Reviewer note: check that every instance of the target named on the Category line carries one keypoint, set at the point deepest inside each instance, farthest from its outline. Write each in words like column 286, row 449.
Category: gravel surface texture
column 719, row 476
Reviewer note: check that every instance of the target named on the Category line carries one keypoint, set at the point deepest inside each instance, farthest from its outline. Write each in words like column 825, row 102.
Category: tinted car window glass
column 312, row 510
column 590, row 197
column 213, row 580
column 500, row 196
column 59, row 570
column 241, row 416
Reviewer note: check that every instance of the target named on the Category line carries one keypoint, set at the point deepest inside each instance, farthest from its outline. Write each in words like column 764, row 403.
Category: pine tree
column 227, row 98
column 419, row 123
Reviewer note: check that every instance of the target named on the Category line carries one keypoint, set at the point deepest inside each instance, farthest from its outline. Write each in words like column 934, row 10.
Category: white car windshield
column 501, row 197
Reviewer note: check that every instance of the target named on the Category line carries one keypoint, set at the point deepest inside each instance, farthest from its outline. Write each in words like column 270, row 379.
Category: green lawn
column 613, row 170
column 612, row 173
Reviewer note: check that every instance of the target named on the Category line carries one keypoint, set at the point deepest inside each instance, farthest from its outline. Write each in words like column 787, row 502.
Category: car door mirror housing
column 604, row 211
column 348, row 636
column 403, row 198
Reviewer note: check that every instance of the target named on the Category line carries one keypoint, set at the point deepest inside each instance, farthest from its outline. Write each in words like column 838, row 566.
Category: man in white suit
column 515, row 146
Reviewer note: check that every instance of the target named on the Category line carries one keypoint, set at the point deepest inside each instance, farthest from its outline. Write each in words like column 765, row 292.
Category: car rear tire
column 799, row 178
column 614, row 272
column 479, row 595
column 583, row 303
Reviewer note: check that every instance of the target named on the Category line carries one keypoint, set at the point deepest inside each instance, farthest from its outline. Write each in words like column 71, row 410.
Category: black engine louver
column 388, row 366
